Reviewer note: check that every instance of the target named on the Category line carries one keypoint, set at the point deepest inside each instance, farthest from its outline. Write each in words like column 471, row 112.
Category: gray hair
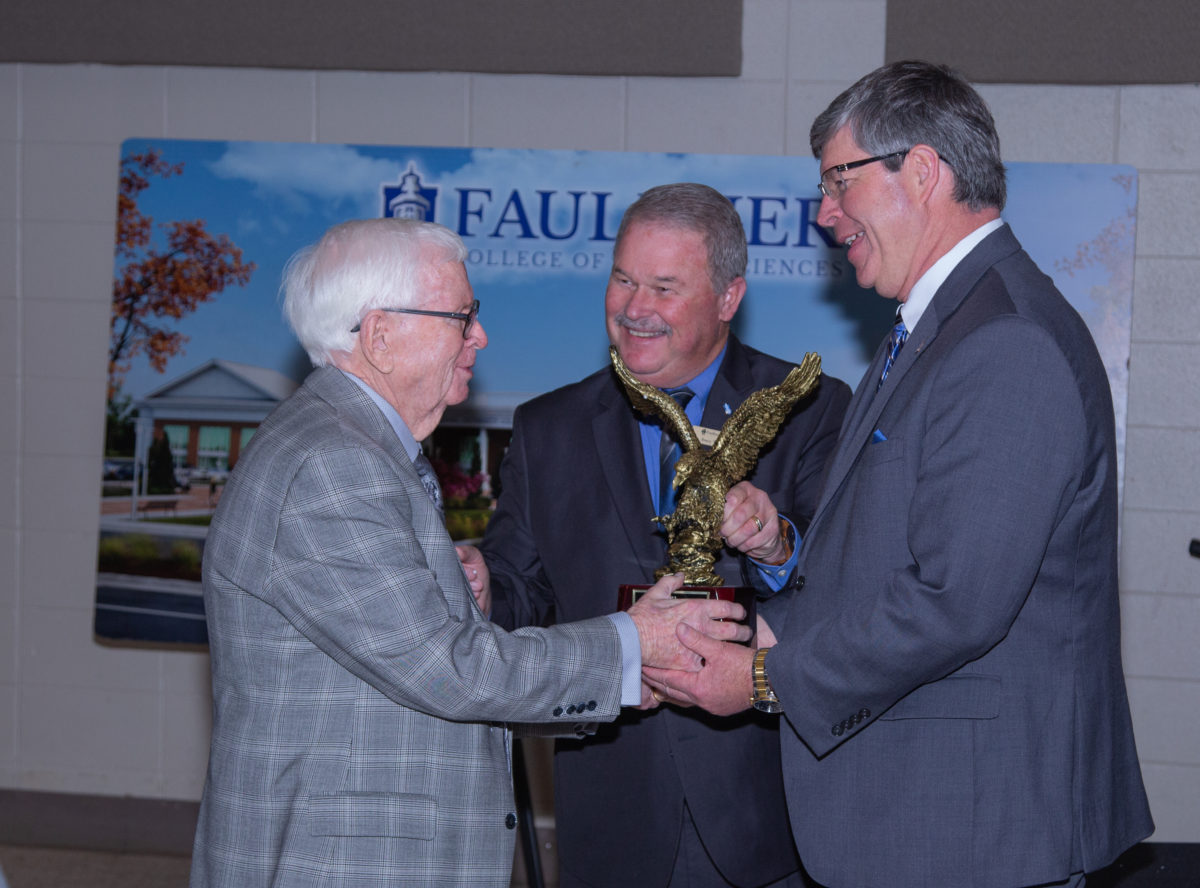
column 698, row 208
column 912, row 102
column 355, row 267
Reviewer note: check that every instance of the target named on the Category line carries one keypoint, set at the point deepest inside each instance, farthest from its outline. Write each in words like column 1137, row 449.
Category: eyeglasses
column 833, row 186
column 467, row 317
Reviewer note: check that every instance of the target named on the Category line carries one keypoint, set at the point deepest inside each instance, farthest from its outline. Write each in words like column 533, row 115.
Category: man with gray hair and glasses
column 949, row 679
column 361, row 699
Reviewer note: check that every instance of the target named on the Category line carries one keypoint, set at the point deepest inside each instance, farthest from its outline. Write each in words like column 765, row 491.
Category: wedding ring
column 757, row 522
column 654, row 694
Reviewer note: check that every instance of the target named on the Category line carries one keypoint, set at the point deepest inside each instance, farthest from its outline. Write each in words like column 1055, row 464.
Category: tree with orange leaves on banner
column 160, row 284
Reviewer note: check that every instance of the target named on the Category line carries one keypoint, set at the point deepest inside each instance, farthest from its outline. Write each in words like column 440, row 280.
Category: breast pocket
column 878, row 452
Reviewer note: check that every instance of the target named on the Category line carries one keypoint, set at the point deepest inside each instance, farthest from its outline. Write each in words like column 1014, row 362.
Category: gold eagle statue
column 703, row 477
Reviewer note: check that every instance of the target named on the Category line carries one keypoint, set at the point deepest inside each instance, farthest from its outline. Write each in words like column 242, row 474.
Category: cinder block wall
column 80, row 718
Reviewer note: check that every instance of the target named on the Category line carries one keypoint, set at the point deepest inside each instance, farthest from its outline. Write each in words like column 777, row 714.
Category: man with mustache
column 670, row 796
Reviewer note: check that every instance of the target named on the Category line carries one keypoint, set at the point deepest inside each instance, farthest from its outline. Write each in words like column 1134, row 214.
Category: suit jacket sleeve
column 362, row 569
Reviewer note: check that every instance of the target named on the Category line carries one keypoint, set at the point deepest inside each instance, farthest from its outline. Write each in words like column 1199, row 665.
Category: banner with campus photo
column 199, row 353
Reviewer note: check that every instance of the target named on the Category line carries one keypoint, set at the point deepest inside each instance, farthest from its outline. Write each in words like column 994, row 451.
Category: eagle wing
column 756, row 422
column 655, row 402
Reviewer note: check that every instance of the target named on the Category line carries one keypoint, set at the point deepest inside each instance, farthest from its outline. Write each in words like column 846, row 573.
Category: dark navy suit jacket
column 573, row 523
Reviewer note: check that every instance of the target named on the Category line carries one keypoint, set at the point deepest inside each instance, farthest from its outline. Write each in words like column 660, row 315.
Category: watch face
column 771, row 706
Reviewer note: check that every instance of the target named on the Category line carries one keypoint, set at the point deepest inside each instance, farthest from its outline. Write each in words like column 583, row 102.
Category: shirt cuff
column 776, row 575
column 631, row 659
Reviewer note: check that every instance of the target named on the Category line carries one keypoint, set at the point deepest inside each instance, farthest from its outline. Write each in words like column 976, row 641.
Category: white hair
column 355, row 267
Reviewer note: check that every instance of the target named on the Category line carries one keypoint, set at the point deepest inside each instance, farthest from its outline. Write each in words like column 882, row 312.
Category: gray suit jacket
column 573, row 523
column 359, row 696
column 955, row 704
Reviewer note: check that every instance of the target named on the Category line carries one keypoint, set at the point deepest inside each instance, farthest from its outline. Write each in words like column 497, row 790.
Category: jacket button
column 838, row 730
column 799, row 583
column 558, row 710
column 571, row 709
column 591, row 705
column 510, row 821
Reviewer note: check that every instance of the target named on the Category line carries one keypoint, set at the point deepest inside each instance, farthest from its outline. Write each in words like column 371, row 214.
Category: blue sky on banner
column 538, row 225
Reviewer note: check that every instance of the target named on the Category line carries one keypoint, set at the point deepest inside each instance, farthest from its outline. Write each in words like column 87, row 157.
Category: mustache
column 648, row 325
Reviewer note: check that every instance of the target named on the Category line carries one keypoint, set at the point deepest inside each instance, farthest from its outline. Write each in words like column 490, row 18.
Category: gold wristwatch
column 764, row 699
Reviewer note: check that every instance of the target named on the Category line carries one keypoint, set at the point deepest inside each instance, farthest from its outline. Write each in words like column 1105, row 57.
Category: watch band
column 764, row 699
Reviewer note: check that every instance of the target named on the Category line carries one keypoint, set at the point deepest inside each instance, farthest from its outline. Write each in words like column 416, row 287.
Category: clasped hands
column 655, row 614
column 686, row 659
column 660, row 619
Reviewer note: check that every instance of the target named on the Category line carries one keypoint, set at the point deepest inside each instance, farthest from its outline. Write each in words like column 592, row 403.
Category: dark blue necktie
column 668, row 455
column 895, row 343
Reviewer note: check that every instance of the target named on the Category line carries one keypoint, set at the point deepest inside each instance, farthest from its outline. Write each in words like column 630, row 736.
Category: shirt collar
column 927, row 285
column 389, row 412
column 702, row 383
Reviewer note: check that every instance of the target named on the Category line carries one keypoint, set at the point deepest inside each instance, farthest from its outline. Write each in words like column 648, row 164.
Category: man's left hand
column 750, row 524
column 478, row 577
column 723, row 685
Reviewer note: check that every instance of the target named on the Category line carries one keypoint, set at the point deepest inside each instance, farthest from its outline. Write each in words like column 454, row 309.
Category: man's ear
column 377, row 341
column 925, row 169
column 732, row 298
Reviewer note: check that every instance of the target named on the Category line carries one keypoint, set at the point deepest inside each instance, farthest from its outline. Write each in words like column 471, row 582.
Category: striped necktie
column 895, row 343
column 429, row 480
column 668, row 455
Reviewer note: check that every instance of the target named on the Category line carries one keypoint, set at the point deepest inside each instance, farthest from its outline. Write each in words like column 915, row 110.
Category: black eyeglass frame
column 467, row 317
column 853, row 165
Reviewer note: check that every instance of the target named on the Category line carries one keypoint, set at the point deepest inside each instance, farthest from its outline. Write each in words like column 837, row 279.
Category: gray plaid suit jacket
column 360, row 699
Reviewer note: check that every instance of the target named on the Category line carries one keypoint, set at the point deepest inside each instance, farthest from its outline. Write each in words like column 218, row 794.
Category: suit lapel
column 867, row 404
column 732, row 385
column 357, row 409
column 617, row 438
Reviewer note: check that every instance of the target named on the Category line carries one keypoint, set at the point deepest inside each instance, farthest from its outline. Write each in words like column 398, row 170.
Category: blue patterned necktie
column 895, row 343
column 668, row 455
column 429, row 479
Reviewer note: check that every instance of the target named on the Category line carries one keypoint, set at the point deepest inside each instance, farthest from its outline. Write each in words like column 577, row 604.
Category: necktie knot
column 682, row 394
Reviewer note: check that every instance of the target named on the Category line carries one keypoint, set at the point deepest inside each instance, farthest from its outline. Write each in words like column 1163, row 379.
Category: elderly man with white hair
column 361, row 699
